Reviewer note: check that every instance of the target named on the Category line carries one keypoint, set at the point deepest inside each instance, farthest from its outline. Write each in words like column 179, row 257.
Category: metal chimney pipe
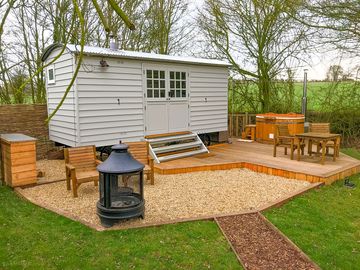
column 113, row 43
column 304, row 101
column 304, row 98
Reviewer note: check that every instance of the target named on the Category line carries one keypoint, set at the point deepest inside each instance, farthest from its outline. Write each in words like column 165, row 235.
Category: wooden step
column 172, row 138
column 181, row 155
column 176, row 147
column 154, row 136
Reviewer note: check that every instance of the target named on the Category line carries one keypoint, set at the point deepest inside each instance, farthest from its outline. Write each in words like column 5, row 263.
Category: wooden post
column 246, row 119
column 230, row 125
column 237, row 125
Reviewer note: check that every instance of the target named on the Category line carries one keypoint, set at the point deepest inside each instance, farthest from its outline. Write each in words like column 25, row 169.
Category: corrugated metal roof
column 89, row 50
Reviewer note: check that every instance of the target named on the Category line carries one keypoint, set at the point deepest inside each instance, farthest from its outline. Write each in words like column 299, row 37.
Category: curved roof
column 99, row 51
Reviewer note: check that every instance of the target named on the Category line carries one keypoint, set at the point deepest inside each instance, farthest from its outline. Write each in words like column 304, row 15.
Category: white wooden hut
column 127, row 95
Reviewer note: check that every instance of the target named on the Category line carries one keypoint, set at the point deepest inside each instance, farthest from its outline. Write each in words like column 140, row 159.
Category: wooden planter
column 265, row 125
column 18, row 165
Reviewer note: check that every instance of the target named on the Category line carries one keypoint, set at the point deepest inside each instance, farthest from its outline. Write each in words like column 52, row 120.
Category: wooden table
column 319, row 137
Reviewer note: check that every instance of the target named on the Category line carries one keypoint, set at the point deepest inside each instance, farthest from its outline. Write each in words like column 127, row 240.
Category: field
column 320, row 96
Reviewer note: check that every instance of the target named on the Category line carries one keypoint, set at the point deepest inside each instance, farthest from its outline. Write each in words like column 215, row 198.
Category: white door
column 166, row 100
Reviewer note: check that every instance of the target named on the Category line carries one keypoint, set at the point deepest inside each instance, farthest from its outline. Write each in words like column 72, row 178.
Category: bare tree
column 338, row 21
column 258, row 37
column 169, row 30
column 335, row 73
column 30, row 43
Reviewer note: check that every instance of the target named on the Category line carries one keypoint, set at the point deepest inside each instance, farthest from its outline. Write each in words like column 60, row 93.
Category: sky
column 319, row 63
column 322, row 61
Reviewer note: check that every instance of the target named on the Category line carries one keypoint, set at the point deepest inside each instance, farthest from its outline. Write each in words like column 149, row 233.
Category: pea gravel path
column 178, row 196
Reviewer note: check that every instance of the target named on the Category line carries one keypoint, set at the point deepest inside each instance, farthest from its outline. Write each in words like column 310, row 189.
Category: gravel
column 178, row 196
column 53, row 170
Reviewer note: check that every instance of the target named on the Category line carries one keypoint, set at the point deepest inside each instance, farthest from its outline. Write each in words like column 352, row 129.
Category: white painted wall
column 208, row 99
column 102, row 121
column 95, row 117
column 62, row 127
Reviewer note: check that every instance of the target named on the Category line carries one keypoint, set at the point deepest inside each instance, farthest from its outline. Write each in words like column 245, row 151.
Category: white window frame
column 167, row 80
column 180, row 80
column 51, row 81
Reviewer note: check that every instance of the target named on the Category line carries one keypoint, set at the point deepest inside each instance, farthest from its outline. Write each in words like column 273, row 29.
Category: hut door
column 178, row 106
column 166, row 101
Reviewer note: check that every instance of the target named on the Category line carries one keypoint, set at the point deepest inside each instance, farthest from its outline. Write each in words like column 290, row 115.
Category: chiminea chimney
column 113, row 43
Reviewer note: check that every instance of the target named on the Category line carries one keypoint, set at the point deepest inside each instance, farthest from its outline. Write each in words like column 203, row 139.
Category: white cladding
column 63, row 126
column 107, row 104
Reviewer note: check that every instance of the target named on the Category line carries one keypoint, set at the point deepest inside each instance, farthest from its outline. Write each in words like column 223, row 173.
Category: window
column 177, row 84
column 155, row 83
column 51, row 75
column 161, row 84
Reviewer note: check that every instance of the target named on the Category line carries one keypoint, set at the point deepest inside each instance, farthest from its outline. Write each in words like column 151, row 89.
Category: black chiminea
column 121, row 187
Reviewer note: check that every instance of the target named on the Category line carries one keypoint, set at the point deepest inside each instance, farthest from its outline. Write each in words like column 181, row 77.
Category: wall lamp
column 103, row 63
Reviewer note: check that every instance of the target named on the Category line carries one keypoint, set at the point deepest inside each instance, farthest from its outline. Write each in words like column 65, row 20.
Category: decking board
column 258, row 157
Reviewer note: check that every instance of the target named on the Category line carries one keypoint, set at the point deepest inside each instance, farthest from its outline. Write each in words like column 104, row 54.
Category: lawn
column 318, row 95
column 325, row 223
column 34, row 238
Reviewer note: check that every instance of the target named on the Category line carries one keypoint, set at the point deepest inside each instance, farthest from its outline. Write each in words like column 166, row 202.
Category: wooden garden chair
column 324, row 128
column 80, row 165
column 140, row 151
column 283, row 138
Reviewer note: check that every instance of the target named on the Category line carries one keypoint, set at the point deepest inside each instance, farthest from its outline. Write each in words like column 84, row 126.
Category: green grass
column 318, row 94
column 352, row 152
column 325, row 223
column 34, row 238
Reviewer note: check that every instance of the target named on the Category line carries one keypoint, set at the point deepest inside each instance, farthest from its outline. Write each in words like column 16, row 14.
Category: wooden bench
column 80, row 166
column 140, row 151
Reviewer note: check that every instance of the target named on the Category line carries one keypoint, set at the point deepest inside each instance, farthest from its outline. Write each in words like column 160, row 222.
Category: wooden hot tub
column 265, row 125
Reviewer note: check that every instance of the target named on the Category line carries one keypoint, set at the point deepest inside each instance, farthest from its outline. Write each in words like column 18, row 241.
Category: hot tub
column 265, row 125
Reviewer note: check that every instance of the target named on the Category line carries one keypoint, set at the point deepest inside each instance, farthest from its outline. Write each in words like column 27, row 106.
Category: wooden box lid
column 16, row 138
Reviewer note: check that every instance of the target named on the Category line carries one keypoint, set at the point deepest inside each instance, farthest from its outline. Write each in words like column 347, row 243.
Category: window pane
column 171, row 74
column 156, row 74
column 162, row 74
column 162, row 93
column 156, row 93
column 149, row 84
column 162, row 84
column 177, row 84
column 51, row 74
column 183, row 75
column 149, row 93
column 148, row 74
column 183, row 84
column 172, row 84
column 178, row 75
column 183, row 93
column 156, row 84
column 177, row 93
column 172, row 93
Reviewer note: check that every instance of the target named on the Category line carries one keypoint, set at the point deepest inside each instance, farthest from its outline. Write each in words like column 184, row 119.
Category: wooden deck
column 258, row 157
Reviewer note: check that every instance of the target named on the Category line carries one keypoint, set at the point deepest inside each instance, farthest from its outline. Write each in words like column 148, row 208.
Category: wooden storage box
column 18, row 159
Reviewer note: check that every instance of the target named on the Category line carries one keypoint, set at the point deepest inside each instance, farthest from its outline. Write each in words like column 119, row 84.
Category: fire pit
column 121, row 187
